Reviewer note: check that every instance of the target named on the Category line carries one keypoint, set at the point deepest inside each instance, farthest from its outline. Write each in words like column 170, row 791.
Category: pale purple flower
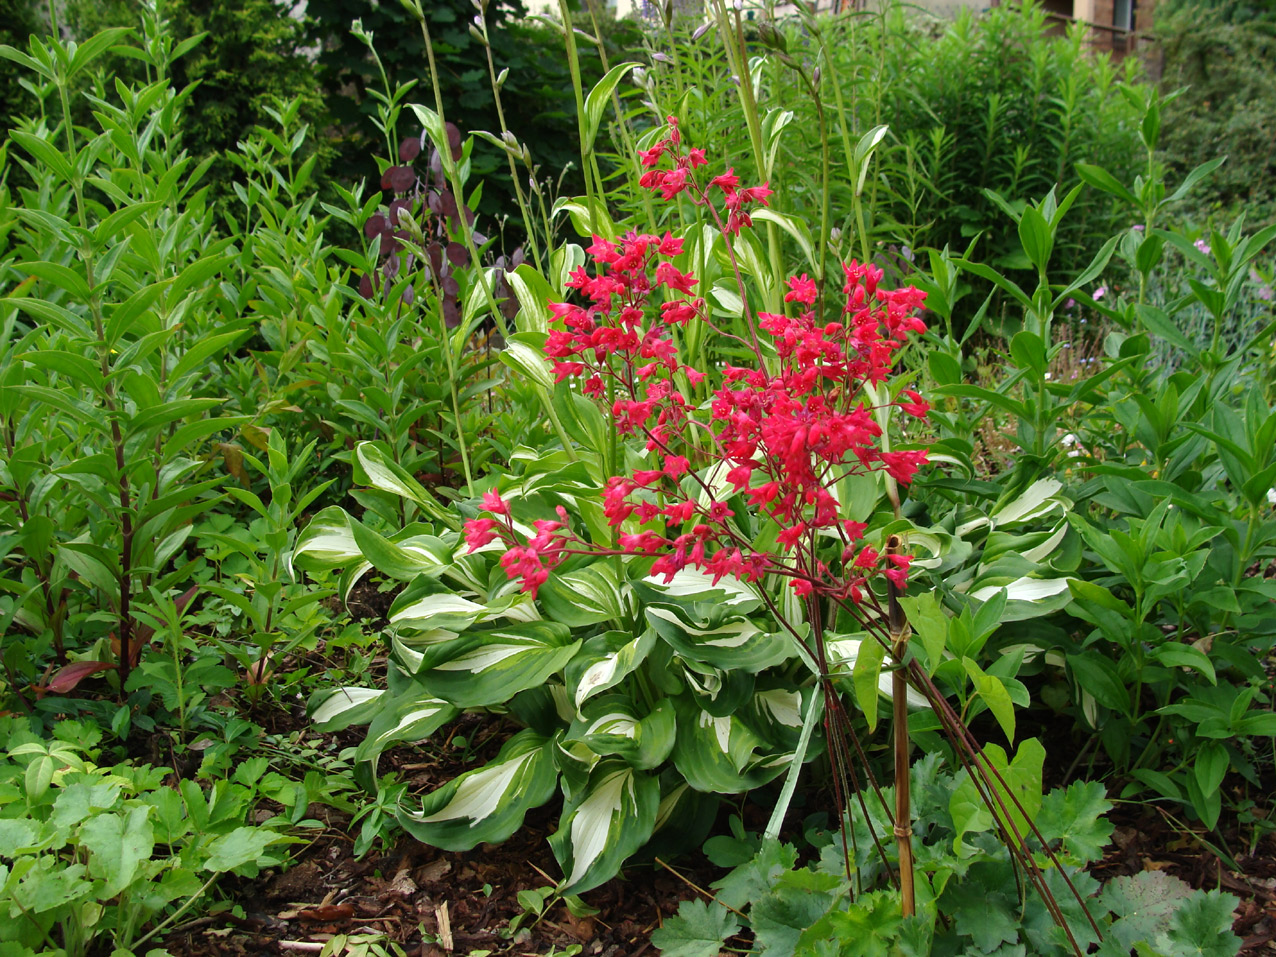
column 1100, row 293
column 1137, row 227
column 1203, row 246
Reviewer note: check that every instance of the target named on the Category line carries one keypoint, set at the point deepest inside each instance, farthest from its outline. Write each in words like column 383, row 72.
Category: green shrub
column 1227, row 109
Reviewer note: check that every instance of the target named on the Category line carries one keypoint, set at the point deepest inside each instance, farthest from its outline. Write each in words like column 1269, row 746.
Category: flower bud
column 701, row 30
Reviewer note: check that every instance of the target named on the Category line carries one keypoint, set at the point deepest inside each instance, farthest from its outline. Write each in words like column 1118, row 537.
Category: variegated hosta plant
column 642, row 700
column 670, row 609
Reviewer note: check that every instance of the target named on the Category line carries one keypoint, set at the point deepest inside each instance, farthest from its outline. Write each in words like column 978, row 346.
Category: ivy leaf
column 697, row 930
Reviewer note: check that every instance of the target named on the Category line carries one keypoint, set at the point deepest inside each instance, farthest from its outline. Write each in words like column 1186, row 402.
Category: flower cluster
column 774, row 436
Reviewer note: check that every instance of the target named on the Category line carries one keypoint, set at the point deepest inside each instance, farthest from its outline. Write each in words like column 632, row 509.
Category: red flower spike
column 778, row 436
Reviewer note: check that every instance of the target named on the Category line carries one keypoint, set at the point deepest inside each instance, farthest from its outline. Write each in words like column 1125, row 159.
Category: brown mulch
column 415, row 895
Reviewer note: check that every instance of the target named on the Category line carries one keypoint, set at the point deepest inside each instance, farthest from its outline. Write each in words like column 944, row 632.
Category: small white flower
column 1271, row 496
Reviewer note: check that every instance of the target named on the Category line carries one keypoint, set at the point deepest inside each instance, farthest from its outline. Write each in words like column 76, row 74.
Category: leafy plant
column 94, row 854
column 968, row 902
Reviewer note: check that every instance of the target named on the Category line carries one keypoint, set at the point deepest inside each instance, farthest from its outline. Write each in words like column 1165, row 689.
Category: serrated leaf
column 1075, row 816
column 697, row 930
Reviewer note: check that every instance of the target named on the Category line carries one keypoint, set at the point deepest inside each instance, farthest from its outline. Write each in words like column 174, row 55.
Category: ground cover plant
column 898, row 528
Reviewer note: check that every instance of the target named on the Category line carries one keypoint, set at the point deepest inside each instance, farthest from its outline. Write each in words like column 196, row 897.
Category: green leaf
column 1211, row 765
column 1143, row 905
column 487, row 804
column 485, row 668
column 45, row 154
column 59, row 277
column 864, row 677
column 697, row 930
column 597, row 100
column 1100, row 178
column 1075, row 816
column 119, row 844
column 1023, row 778
column 930, row 625
column 1096, row 675
column 1034, row 235
column 796, row 901
column 243, row 845
column 1202, row 925
column 604, row 661
column 94, row 47
column 1174, row 654
column 603, row 824
column 992, row 692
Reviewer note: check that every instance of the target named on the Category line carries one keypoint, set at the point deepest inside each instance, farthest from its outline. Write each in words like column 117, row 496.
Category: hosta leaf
column 602, row 825
column 725, row 642
column 717, row 692
column 388, row 476
column 409, row 716
column 419, row 555
column 690, row 585
column 499, row 663
column 327, row 542
column 1026, row 597
column 604, row 661
column 697, row 930
column 613, row 725
column 427, row 605
column 777, row 714
column 1040, row 498
column 585, row 596
column 488, row 804
column 340, row 708
column 684, row 817
column 717, row 754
